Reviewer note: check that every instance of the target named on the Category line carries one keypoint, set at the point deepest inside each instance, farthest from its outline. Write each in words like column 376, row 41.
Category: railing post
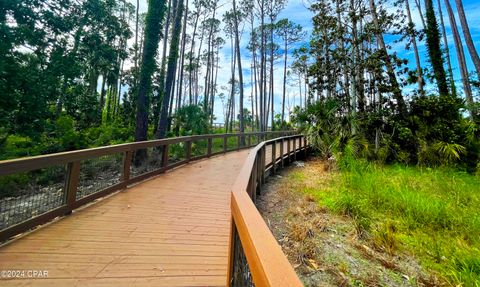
column 274, row 156
column 288, row 150
column 263, row 163
column 209, row 147
column 258, row 169
column 71, row 184
column 188, row 151
column 250, row 187
column 127, row 162
column 239, row 137
column 305, row 147
column 249, row 141
column 294, row 148
column 282, row 164
column 165, row 157
column 231, row 255
column 224, row 143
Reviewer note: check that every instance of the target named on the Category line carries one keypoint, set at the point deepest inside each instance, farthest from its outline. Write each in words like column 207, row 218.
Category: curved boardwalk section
column 172, row 230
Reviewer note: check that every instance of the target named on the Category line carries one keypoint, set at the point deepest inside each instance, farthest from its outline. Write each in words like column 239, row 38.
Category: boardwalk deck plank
column 172, row 230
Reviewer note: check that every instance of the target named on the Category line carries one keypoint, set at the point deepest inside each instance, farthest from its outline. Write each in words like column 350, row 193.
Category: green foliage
column 434, row 50
column 191, row 120
column 17, row 146
column 10, row 184
column 63, row 136
column 326, row 130
column 108, row 135
column 434, row 134
column 431, row 213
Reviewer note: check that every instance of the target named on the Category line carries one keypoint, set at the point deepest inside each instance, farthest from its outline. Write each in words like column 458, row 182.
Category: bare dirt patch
column 326, row 249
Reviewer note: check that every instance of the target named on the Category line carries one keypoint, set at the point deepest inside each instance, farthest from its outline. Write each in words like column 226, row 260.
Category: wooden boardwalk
column 172, row 230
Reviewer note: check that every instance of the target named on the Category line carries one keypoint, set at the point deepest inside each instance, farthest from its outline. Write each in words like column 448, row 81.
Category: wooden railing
column 255, row 258
column 37, row 189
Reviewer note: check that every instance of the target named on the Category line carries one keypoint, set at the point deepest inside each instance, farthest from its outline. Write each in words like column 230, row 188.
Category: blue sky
column 297, row 11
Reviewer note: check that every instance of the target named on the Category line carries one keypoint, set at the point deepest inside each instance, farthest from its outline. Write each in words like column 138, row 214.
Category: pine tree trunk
column 254, row 60
column 284, row 80
column 420, row 13
column 272, row 96
column 468, row 37
column 182, row 54
column 461, row 59
column 447, row 51
column 413, row 40
column 397, row 93
column 171, row 69
column 190, row 66
column 161, row 77
column 102, row 96
column 136, row 34
column 262, row 67
column 240, row 72
column 148, row 65
column 434, row 49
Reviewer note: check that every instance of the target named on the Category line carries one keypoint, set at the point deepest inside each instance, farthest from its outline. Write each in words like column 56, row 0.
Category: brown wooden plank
column 167, row 231
column 172, row 281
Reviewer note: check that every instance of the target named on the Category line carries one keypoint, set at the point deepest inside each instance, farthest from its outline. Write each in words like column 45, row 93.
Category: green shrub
column 11, row 183
column 18, row 146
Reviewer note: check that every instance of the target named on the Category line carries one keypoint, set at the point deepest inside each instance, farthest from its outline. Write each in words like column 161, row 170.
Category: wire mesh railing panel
column 232, row 143
column 241, row 275
column 217, row 145
column 29, row 194
column 268, row 153
column 146, row 160
column 255, row 140
column 199, row 148
column 177, row 152
column 99, row 173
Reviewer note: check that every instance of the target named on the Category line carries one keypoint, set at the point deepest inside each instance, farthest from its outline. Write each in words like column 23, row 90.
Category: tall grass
column 433, row 214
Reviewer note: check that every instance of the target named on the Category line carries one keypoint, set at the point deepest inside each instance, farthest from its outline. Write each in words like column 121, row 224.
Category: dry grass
column 328, row 249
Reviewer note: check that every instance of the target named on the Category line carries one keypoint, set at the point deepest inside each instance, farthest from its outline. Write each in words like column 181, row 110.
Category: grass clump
column 432, row 214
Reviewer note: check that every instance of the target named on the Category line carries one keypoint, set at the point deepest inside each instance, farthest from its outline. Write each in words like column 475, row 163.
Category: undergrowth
column 432, row 214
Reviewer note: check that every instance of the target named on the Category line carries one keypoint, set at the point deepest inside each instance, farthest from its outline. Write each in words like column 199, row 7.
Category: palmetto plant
column 440, row 153
column 449, row 152
column 328, row 130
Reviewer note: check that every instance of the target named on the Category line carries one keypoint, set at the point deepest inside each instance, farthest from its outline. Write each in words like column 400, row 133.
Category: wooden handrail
column 41, row 161
column 266, row 261
column 73, row 161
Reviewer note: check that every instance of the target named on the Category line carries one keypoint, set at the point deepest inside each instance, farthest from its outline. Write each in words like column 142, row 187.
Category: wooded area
column 84, row 73
column 96, row 72
column 366, row 102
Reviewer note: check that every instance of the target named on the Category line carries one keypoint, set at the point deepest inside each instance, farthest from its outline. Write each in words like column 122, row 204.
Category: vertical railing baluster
column 294, row 148
column 305, row 146
column 224, row 143
column 274, row 156
column 209, row 147
column 127, row 162
column 165, row 157
column 71, row 184
column 282, row 143
column 188, row 150
column 231, row 255
column 263, row 162
column 239, row 137
column 288, row 149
